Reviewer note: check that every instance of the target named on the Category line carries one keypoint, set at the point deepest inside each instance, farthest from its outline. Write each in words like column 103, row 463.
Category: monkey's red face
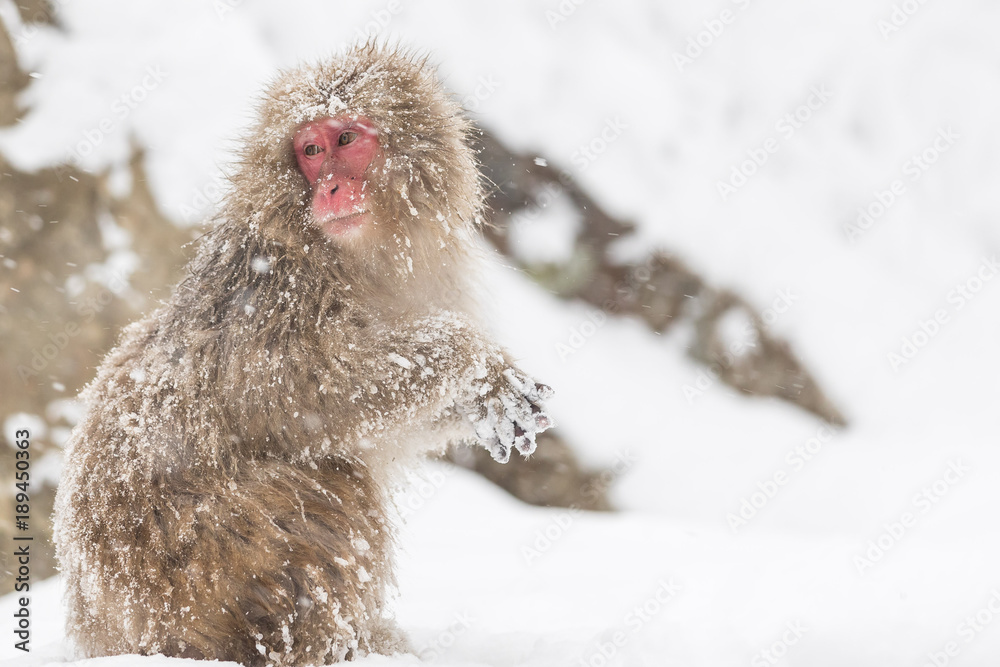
column 334, row 155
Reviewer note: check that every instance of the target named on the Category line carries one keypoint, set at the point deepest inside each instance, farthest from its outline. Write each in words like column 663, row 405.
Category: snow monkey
column 226, row 494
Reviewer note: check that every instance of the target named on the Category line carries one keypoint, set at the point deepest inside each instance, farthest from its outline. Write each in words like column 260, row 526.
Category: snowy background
column 877, row 545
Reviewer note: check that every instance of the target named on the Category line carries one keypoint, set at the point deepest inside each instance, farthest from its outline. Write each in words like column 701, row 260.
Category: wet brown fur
column 225, row 495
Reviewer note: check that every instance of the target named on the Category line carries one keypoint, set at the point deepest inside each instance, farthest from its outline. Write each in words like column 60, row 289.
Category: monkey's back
column 172, row 540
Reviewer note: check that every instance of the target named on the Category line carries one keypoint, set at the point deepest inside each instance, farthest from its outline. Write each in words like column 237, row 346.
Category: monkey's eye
column 346, row 138
column 311, row 149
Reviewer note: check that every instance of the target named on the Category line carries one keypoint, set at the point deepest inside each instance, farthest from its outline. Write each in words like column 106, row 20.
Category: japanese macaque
column 226, row 495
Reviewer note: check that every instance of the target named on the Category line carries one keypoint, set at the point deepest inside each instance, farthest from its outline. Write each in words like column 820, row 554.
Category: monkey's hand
column 505, row 409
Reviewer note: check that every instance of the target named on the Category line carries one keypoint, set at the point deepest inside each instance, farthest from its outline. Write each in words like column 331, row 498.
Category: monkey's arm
column 440, row 363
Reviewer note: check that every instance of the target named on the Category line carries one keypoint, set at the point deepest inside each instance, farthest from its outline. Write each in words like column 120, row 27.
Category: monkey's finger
column 519, row 381
column 518, row 408
column 483, row 416
column 498, row 451
column 541, row 392
column 524, row 429
column 482, row 426
column 542, row 419
column 502, row 418
column 529, row 420
column 524, row 441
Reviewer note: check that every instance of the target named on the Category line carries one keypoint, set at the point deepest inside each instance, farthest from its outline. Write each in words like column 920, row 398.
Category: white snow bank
column 487, row 580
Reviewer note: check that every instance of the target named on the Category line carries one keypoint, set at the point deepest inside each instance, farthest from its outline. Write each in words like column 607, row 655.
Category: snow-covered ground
column 874, row 546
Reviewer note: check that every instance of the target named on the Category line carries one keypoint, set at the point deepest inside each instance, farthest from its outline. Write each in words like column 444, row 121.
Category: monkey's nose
column 333, row 191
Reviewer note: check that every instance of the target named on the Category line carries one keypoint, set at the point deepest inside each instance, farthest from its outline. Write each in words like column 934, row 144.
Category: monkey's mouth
column 341, row 225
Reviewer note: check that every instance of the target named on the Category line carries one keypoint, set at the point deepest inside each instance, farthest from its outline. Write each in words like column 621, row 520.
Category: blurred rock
column 12, row 79
column 552, row 477
column 659, row 289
